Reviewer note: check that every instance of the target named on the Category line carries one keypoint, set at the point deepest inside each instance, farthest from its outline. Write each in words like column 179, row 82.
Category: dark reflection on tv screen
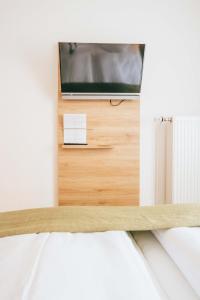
column 101, row 68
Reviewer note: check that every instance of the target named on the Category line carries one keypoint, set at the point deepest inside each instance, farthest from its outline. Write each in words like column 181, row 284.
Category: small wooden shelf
column 87, row 147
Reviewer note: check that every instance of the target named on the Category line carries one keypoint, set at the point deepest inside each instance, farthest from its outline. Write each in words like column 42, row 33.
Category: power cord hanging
column 111, row 103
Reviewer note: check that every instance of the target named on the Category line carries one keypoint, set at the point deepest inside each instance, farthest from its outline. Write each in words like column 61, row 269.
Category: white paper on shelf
column 73, row 121
column 75, row 136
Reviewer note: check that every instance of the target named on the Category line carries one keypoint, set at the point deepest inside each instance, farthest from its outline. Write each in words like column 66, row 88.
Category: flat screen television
column 101, row 71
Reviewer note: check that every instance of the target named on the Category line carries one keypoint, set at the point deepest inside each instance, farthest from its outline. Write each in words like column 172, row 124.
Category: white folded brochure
column 75, row 131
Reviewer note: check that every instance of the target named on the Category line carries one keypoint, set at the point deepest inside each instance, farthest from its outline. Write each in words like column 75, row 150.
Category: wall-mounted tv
column 101, row 71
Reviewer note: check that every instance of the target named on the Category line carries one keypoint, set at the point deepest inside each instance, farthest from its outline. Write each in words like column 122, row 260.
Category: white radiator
column 177, row 160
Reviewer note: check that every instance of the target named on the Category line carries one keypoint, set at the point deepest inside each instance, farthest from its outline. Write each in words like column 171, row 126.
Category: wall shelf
column 87, row 147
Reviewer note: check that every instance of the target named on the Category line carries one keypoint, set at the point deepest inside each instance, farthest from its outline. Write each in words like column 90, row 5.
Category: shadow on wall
column 41, row 63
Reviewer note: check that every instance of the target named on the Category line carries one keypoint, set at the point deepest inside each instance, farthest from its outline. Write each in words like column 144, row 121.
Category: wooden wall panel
column 100, row 176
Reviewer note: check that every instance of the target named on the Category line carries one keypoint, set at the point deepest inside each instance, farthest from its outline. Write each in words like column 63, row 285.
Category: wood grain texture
column 107, row 175
column 94, row 219
column 87, row 147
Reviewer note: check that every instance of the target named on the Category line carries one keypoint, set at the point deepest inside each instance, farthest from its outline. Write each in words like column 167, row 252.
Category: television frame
column 100, row 95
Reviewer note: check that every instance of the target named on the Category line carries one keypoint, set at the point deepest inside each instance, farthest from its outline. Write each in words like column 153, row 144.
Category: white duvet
column 183, row 246
column 87, row 266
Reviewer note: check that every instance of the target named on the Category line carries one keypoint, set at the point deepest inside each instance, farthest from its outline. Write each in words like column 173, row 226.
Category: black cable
column 117, row 103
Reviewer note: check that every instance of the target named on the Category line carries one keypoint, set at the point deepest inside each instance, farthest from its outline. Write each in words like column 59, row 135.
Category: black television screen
column 95, row 69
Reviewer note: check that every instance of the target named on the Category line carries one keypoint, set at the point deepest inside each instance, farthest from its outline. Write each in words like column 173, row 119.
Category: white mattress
column 164, row 270
column 183, row 246
column 56, row 266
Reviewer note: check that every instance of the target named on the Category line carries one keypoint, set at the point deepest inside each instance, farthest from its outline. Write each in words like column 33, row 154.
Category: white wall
column 29, row 32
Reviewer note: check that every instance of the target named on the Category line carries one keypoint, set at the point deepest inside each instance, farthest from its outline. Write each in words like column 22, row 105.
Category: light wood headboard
column 106, row 172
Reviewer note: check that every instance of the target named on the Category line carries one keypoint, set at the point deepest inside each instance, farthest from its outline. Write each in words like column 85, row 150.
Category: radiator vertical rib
column 178, row 174
column 186, row 160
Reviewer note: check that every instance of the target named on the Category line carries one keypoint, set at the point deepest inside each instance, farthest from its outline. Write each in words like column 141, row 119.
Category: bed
column 38, row 262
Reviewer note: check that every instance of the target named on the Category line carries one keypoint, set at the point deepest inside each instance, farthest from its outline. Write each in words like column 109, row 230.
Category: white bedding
column 169, row 277
column 92, row 266
column 183, row 246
